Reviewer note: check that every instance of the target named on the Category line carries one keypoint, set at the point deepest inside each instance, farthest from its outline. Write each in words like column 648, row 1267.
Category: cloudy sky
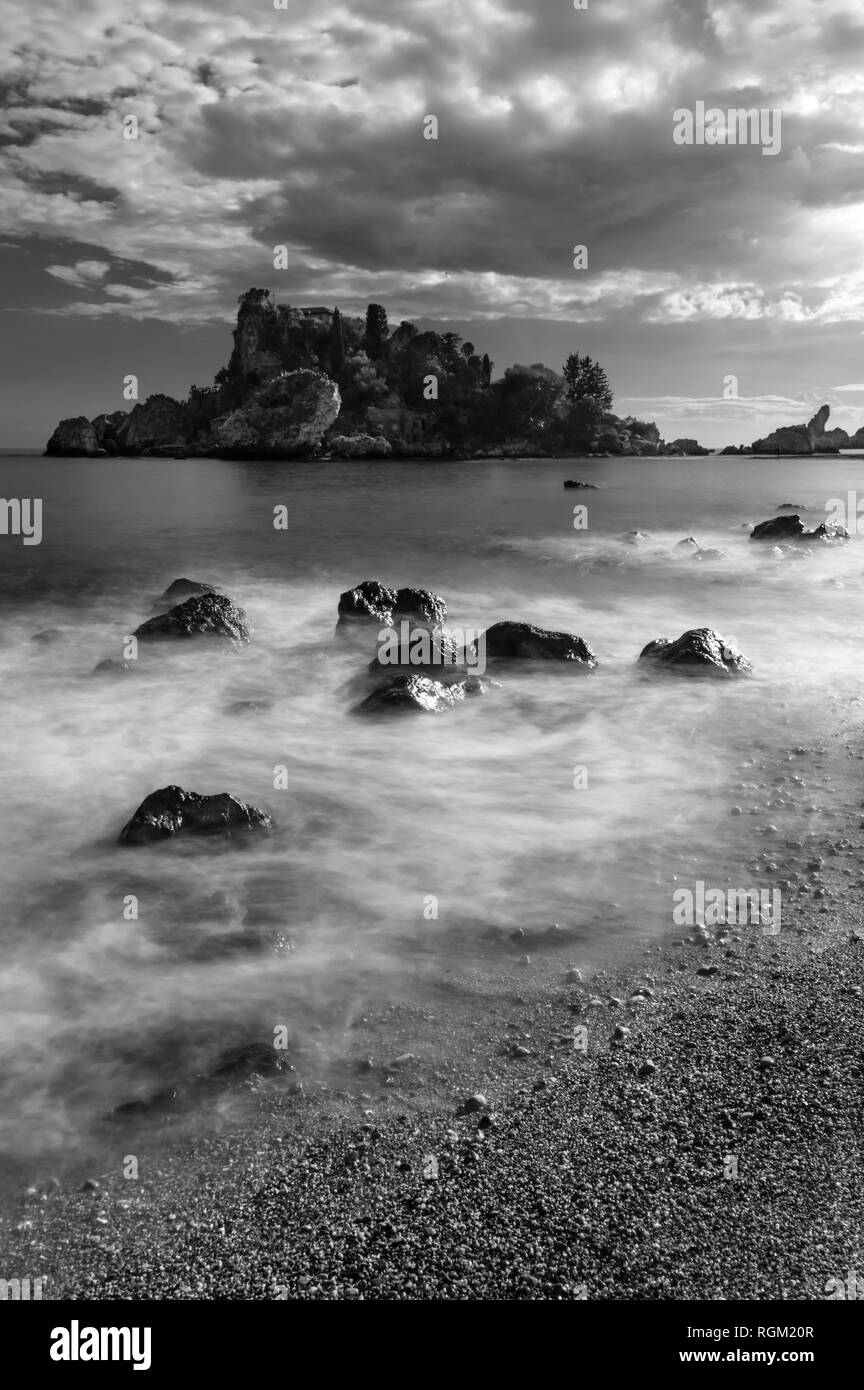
column 304, row 126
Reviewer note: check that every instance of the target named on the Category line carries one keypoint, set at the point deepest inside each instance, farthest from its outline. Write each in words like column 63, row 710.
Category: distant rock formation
column 307, row 382
column 812, row 438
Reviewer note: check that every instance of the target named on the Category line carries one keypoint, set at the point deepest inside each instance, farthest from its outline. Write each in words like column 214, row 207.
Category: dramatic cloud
column 304, row 127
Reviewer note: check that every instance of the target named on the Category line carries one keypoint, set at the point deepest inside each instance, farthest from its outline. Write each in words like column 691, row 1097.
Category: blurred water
column 477, row 807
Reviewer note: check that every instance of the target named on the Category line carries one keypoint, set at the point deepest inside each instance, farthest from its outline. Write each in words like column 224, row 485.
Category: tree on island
column 337, row 342
column 586, row 380
column 377, row 332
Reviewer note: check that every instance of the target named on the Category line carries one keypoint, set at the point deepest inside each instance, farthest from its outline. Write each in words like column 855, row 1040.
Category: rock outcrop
column 205, row 615
column 158, row 420
column 415, row 693
column 285, row 417
column 791, row 528
column 73, row 438
column 369, row 602
column 701, row 651
column 172, row 811
column 811, row 438
column 524, row 642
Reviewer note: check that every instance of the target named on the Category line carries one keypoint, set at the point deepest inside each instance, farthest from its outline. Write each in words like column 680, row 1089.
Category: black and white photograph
column 432, row 670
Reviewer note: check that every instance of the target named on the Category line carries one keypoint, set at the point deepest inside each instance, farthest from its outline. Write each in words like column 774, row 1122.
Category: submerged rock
column 406, row 693
column 369, row 602
column 701, row 651
column 525, row 642
column 206, row 615
column 689, row 543
column 573, row 482
column 173, row 811
column 709, row 554
column 112, row 666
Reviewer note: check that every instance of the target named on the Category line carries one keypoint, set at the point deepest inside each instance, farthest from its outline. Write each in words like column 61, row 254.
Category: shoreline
column 586, row 1176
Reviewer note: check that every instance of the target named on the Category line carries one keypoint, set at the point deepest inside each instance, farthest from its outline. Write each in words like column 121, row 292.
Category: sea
column 408, row 854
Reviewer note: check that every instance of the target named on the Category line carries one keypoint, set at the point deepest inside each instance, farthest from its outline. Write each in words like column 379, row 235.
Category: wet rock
column 418, row 647
column 697, row 652
column 248, row 706
column 205, row 615
column 525, row 642
column 406, row 693
column 689, row 543
column 778, row 528
column 709, row 554
column 419, row 606
column 112, row 666
column 573, row 482
column 173, row 811
column 369, row 602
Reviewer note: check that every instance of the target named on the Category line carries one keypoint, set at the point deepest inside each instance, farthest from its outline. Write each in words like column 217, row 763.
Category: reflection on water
column 558, row 798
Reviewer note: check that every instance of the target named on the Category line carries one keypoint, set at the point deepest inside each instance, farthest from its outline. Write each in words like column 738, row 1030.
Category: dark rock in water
column 634, row 537
column 792, row 528
column 369, row 602
column 407, row 693
column 206, row 615
column 182, row 589
column 573, row 482
column 419, row 606
column 148, row 1108
column 51, row 634
column 778, row 528
column 524, row 642
column 709, row 554
column 690, row 543
column 111, row 666
column 701, row 651
column 172, row 811
column 791, row 507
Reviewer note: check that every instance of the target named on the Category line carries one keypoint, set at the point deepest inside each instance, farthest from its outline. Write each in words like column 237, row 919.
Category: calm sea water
column 477, row 808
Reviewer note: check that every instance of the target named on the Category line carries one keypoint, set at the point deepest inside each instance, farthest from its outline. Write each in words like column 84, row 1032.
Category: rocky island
column 312, row 382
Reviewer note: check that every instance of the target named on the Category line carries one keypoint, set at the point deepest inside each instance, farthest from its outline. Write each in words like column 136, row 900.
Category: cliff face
column 73, row 437
column 284, row 417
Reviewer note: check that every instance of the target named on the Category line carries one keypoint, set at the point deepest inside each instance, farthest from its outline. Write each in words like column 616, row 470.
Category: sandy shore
column 713, row 1150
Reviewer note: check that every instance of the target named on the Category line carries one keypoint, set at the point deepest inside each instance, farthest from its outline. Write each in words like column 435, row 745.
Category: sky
column 303, row 126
